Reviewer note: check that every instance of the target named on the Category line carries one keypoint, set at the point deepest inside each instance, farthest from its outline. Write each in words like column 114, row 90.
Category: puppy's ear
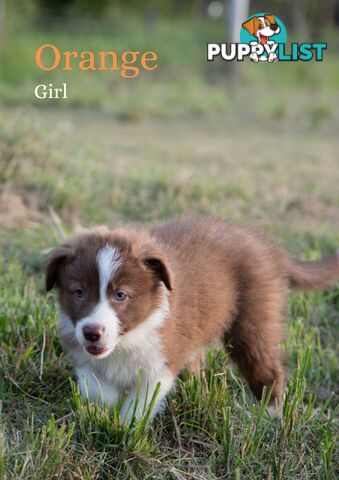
column 156, row 262
column 270, row 18
column 251, row 25
column 58, row 257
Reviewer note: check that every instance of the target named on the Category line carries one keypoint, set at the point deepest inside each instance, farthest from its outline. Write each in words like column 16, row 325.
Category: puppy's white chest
column 138, row 354
column 123, row 367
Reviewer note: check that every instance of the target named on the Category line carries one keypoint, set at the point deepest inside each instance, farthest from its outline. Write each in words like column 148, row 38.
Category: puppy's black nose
column 274, row 26
column 92, row 333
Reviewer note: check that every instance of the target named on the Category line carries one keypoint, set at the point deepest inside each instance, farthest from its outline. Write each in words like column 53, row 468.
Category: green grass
column 68, row 169
column 261, row 150
column 211, row 428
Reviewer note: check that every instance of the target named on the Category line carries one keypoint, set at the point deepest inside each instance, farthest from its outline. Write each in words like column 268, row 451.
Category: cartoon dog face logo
column 263, row 28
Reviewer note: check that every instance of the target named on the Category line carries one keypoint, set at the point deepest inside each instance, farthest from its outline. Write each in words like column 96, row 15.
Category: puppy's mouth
column 262, row 38
column 96, row 350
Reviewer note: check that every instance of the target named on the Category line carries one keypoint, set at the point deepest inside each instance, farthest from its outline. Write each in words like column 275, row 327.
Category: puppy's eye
column 119, row 296
column 79, row 293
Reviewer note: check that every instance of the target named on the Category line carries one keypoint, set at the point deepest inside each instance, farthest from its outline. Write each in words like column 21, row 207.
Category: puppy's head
column 108, row 283
column 262, row 27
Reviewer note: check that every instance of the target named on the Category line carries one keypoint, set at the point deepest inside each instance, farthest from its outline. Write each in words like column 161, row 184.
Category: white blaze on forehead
column 108, row 260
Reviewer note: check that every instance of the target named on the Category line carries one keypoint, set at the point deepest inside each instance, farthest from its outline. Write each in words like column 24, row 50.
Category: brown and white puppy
column 146, row 302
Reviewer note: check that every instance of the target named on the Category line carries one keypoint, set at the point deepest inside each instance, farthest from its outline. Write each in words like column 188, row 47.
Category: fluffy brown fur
column 225, row 283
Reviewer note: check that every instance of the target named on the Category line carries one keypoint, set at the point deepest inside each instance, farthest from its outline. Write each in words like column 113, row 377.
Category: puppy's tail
column 314, row 275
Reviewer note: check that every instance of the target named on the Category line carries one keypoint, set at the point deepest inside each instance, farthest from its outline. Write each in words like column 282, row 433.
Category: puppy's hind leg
column 253, row 344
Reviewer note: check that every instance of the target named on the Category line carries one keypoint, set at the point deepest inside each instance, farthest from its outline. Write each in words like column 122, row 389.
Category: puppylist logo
column 268, row 32
column 263, row 39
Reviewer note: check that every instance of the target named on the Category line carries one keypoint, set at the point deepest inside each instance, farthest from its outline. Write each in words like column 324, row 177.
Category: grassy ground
column 62, row 169
column 261, row 150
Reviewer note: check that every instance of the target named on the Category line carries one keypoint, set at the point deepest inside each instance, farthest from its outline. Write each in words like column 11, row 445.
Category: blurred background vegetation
column 252, row 142
column 178, row 31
